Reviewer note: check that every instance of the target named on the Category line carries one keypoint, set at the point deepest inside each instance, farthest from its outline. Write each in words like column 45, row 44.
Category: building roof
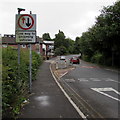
column 49, row 42
column 10, row 39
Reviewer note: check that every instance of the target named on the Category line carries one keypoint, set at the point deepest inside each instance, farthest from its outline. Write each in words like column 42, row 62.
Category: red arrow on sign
column 23, row 20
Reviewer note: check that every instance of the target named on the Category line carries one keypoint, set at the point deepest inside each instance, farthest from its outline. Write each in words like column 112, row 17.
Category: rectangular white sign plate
column 25, row 37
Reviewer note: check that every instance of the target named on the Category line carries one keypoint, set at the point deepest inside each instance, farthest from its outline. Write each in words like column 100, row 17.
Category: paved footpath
column 47, row 100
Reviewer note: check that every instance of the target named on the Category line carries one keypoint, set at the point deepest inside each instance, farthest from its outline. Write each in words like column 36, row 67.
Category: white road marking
column 67, row 96
column 95, row 79
column 63, row 74
column 69, row 80
column 82, row 80
column 102, row 90
column 109, row 79
column 82, row 99
column 111, row 70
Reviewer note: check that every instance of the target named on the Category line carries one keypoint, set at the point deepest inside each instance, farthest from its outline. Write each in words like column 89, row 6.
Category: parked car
column 75, row 60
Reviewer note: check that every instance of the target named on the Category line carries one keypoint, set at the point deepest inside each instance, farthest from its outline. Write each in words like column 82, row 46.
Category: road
column 93, row 89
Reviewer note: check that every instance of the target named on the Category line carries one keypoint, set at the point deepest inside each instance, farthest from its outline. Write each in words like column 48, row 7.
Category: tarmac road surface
column 95, row 90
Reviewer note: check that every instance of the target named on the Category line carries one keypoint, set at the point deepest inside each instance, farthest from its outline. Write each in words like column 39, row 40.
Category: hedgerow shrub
column 97, row 58
column 15, row 79
column 86, row 58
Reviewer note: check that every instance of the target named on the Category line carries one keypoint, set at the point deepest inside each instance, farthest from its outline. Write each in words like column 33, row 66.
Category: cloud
column 82, row 24
column 72, row 17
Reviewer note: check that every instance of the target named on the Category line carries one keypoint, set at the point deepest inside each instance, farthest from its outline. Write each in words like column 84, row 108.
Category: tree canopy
column 63, row 45
column 100, row 44
column 46, row 36
column 102, row 39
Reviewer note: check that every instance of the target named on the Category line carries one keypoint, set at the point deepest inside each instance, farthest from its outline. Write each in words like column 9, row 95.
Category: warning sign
column 26, row 22
column 26, row 28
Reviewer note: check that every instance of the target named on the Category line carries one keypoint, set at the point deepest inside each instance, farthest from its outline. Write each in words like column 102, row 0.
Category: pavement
column 47, row 100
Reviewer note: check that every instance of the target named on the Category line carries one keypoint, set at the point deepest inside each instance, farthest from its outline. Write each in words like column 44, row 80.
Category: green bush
column 15, row 79
column 97, row 58
column 86, row 58
column 36, row 61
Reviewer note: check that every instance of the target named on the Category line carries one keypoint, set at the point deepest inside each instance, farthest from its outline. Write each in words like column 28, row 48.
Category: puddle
column 43, row 100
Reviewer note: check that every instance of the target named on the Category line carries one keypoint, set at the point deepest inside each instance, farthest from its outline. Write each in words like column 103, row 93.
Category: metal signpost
column 26, row 33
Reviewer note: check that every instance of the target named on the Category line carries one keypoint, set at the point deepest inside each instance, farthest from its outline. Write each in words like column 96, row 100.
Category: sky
column 73, row 17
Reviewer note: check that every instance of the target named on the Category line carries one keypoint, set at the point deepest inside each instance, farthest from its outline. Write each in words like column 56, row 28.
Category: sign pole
column 18, row 48
column 26, row 33
column 18, row 59
column 18, row 54
column 18, row 64
column 30, row 70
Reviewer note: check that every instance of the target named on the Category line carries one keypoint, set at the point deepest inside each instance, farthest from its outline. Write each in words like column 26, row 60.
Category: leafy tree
column 70, row 45
column 77, row 45
column 63, row 45
column 59, row 39
column 46, row 36
column 60, row 51
column 101, row 41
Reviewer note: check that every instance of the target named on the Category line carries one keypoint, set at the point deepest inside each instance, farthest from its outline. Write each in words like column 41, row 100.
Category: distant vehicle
column 62, row 58
column 75, row 60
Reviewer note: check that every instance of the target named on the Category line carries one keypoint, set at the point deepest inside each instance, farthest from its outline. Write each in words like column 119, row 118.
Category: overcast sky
column 70, row 16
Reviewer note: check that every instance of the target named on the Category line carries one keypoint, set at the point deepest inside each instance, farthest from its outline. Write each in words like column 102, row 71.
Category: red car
column 75, row 60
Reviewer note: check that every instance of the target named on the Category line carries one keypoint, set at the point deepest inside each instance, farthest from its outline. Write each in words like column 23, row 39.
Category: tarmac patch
column 88, row 67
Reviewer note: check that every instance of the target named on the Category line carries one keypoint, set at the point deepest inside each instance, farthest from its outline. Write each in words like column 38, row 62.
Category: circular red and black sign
column 25, row 22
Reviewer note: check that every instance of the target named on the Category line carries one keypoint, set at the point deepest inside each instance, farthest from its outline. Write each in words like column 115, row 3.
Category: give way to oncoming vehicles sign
column 25, row 28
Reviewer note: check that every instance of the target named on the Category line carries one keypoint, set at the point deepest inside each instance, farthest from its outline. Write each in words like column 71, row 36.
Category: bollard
column 65, row 64
column 56, row 65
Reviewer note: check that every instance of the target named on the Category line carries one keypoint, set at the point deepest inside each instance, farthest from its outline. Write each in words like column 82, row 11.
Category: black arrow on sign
column 28, row 22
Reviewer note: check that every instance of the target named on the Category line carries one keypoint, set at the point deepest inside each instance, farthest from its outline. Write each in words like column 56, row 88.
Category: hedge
column 15, row 84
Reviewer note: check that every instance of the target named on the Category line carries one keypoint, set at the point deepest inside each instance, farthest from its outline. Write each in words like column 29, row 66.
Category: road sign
column 25, row 28
column 25, row 22
column 25, row 36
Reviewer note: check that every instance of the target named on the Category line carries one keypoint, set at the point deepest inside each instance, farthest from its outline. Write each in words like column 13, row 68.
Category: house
column 40, row 46
column 49, row 48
